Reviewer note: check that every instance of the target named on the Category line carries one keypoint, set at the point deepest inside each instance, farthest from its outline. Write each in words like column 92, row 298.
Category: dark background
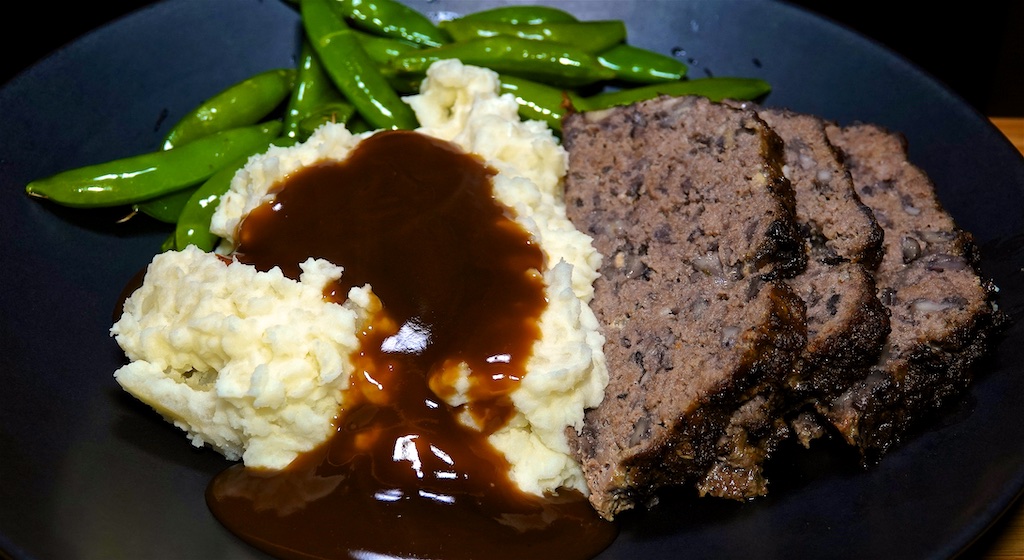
column 975, row 48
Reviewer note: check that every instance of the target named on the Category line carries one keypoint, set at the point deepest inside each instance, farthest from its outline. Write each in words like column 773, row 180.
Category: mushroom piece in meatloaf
column 942, row 313
column 687, row 201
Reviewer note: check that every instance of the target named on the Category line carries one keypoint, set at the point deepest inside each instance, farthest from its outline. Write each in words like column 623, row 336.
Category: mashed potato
column 254, row 364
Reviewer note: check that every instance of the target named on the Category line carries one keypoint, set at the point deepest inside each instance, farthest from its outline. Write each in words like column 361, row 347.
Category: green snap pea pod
column 193, row 226
column 313, row 89
column 145, row 176
column 350, row 68
column 383, row 49
column 391, row 18
column 590, row 36
column 716, row 89
column 541, row 61
column 338, row 112
column 522, row 15
column 634, row 64
column 357, row 125
column 165, row 208
column 241, row 104
column 309, row 88
column 405, row 84
column 168, row 244
column 537, row 101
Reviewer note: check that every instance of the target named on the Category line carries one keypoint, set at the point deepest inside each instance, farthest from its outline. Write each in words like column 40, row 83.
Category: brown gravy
column 458, row 282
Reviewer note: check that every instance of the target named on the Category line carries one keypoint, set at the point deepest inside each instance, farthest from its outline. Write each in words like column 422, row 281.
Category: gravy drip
column 457, row 282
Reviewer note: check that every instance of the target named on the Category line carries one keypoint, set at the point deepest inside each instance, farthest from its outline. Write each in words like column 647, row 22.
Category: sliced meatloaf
column 687, row 201
column 847, row 327
column 942, row 314
column 837, row 225
column 846, row 323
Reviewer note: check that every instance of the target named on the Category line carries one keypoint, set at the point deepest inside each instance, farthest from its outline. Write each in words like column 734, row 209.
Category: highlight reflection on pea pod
column 338, row 112
column 536, row 101
column 242, row 104
column 522, row 15
column 390, row 18
column 383, row 50
column 589, row 36
column 634, row 64
column 541, row 61
column 351, row 69
column 313, row 89
column 193, row 225
column 145, row 176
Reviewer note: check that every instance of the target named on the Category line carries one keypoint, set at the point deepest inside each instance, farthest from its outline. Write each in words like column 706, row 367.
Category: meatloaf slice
column 687, row 201
column 846, row 323
column 942, row 313
column 837, row 225
column 847, row 327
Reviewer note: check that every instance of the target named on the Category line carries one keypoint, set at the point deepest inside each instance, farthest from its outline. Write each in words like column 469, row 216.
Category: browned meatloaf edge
column 943, row 312
column 847, row 325
column 766, row 274
column 687, row 201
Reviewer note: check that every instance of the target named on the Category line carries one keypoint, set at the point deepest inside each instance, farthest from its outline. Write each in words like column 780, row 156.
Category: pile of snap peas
column 358, row 58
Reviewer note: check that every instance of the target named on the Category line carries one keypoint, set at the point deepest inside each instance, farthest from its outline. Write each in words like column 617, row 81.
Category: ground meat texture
column 710, row 181
column 942, row 314
column 900, row 195
column 687, row 201
column 689, row 400
column 847, row 327
column 846, row 323
column 838, row 226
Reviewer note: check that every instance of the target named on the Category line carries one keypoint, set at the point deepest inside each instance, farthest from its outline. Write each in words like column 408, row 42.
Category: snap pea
column 351, row 70
column 193, row 225
column 590, row 36
column 313, row 89
column 391, row 18
column 634, row 64
column 338, row 112
column 383, row 49
column 716, row 89
column 405, row 84
column 241, row 104
column 145, row 176
column 522, row 15
column 537, row 101
column 358, row 125
column 542, row 61
column 168, row 244
column 165, row 208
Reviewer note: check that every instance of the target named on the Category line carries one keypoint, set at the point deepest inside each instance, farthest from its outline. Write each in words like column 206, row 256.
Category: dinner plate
column 88, row 472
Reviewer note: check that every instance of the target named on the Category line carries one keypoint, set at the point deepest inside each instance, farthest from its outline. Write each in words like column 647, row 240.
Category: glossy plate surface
column 87, row 472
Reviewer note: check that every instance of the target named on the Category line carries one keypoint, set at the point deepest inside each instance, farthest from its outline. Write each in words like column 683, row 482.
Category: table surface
column 1006, row 539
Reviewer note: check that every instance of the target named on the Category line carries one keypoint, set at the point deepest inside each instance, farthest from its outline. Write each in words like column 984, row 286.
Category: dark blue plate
column 87, row 472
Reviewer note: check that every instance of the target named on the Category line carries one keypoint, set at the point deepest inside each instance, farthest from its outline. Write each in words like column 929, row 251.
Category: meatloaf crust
column 837, row 225
column 687, row 201
column 942, row 313
column 846, row 323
